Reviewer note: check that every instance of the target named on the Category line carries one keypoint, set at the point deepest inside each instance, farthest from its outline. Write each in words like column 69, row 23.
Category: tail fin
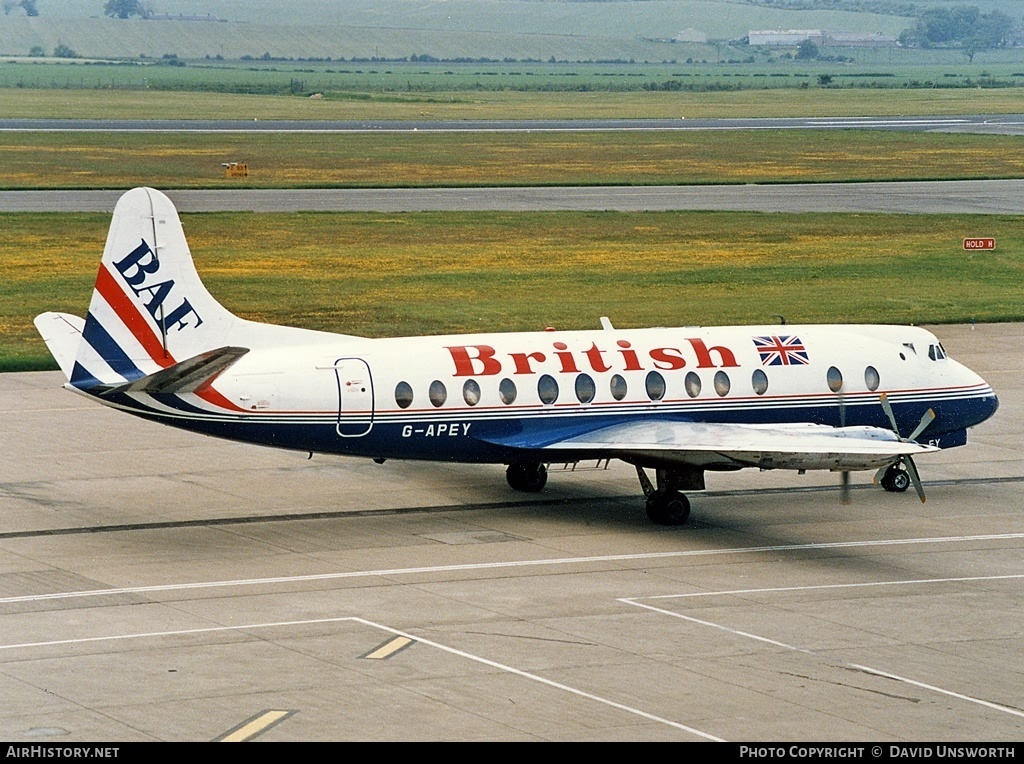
column 149, row 309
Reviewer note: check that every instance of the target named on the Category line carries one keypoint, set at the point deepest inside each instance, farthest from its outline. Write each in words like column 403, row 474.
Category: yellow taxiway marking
column 257, row 725
column 387, row 649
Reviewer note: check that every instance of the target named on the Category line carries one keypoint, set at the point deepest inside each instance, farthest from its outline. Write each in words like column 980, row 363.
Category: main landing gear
column 666, row 505
column 529, row 477
column 895, row 479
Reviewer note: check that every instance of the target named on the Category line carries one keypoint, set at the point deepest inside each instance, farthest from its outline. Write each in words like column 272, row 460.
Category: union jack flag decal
column 786, row 350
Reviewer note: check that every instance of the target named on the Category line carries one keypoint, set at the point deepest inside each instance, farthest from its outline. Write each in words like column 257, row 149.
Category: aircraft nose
column 989, row 405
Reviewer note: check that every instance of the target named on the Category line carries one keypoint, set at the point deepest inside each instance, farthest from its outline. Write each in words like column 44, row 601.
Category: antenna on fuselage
column 606, row 324
column 782, row 318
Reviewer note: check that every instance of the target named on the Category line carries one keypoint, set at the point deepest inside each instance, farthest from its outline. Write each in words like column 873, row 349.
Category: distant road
column 1010, row 124
column 1002, row 197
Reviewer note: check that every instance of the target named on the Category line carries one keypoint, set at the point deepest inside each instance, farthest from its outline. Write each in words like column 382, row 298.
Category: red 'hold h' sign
column 979, row 243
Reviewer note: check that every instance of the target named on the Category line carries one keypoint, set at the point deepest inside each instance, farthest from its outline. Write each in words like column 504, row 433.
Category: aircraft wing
column 768, row 446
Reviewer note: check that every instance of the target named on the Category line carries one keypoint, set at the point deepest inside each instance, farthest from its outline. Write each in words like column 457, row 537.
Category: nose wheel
column 895, row 479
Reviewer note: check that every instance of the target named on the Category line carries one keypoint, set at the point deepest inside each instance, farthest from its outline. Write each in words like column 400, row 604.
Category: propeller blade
column 888, row 412
column 926, row 419
column 908, row 462
column 844, row 487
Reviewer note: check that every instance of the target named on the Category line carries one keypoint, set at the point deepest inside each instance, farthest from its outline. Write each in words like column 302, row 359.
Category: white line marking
column 397, row 632
column 549, row 683
column 558, row 561
column 832, row 659
column 816, row 587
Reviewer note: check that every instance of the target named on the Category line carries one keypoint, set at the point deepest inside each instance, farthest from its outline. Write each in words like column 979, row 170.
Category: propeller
column 844, row 476
column 908, row 462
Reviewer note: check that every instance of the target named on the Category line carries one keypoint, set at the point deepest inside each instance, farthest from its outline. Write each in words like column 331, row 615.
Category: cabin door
column 355, row 397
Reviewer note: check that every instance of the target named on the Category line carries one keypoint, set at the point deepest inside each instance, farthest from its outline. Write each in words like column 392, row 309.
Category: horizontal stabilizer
column 62, row 334
column 184, row 377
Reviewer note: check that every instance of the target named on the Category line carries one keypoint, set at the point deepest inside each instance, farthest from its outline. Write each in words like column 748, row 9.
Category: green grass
column 169, row 160
column 764, row 72
column 392, row 275
column 58, row 103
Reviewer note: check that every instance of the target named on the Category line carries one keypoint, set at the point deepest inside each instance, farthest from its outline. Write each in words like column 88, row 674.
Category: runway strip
column 994, row 197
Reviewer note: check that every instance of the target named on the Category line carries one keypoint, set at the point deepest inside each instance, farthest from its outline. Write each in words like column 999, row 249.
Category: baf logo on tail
column 136, row 268
column 675, row 402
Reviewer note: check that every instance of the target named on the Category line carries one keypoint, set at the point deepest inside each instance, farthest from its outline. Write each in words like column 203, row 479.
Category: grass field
column 392, row 275
column 508, row 104
column 175, row 160
column 896, row 69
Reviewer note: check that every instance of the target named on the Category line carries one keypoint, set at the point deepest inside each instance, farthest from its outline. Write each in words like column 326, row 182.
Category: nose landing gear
column 895, row 479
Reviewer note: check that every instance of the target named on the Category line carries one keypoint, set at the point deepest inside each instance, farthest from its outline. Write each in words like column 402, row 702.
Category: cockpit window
column 936, row 353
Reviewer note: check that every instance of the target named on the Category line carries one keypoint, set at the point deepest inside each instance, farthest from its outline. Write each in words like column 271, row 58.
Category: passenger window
column 871, row 378
column 760, row 381
column 618, row 387
column 403, row 395
column 507, row 391
column 471, row 392
column 585, row 388
column 722, row 383
column 692, row 384
column 437, row 393
column 655, row 386
column 834, row 377
column 547, row 389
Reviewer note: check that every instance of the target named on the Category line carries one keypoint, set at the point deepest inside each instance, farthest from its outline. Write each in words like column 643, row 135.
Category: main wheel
column 529, row 478
column 672, row 508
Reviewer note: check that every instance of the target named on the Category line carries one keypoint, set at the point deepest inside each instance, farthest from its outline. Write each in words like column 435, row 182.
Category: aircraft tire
column 672, row 508
column 895, row 480
column 528, row 478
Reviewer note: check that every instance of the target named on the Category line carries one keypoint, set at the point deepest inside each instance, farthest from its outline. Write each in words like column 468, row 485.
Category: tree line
column 960, row 27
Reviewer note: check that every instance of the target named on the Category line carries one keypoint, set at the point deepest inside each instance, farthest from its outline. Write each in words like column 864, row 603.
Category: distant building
column 785, row 36
column 819, row 37
column 183, row 17
column 690, row 35
column 857, row 40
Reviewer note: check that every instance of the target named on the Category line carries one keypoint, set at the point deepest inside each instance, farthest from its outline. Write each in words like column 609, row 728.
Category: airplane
column 679, row 401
